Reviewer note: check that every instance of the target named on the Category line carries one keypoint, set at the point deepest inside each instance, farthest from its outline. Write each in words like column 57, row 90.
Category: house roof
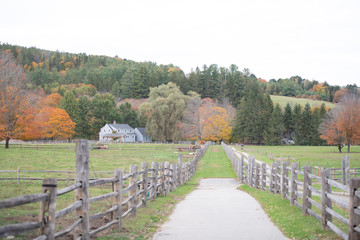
column 114, row 135
column 142, row 131
column 120, row 126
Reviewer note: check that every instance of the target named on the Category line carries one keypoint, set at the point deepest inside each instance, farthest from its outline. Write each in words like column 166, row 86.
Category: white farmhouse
column 118, row 132
column 141, row 135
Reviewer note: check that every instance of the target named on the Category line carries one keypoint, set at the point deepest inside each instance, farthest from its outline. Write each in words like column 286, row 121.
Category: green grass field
column 307, row 155
column 282, row 101
column 213, row 164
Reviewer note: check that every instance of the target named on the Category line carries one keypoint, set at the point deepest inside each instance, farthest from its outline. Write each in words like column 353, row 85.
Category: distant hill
column 282, row 101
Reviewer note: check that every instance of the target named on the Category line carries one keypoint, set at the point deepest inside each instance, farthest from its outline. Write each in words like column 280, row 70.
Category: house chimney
column 114, row 122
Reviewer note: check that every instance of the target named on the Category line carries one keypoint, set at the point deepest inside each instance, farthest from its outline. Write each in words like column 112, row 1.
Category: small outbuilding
column 141, row 135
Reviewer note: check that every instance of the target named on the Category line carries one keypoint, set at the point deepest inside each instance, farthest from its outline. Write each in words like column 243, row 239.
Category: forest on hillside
column 124, row 78
column 65, row 95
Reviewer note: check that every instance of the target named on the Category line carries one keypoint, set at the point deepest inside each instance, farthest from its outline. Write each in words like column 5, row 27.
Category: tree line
column 49, row 70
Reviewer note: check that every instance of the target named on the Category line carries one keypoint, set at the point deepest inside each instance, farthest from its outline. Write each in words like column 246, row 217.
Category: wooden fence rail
column 313, row 194
column 143, row 185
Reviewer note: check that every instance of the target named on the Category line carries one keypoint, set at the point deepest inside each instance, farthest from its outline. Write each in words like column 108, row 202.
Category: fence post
column 272, row 179
column 277, row 177
column 293, row 196
column 343, row 170
column 82, row 194
column 117, row 187
column 354, row 219
column 347, row 170
column 306, row 190
column 173, row 177
column 162, row 180
column 180, row 169
column 154, row 174
column 133, row 183
column 144, row 185
column 257, row 175
column 241, row 170
column 284, row 179
column 49, row 186
column 167, row 177
column 325, row 201
column 263, row 176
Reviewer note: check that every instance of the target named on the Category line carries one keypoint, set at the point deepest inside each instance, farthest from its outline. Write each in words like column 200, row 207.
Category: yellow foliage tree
column 217, row 128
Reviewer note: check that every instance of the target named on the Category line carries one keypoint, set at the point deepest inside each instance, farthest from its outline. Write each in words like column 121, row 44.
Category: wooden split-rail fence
column 130, row 191
column 304, row 189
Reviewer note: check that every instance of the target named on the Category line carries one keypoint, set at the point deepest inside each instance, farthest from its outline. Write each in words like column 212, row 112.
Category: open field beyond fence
column 322, row 156
column 58, row 161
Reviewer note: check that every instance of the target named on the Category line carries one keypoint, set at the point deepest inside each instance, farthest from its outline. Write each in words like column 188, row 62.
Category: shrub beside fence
column 304, row 189
column 130, row 191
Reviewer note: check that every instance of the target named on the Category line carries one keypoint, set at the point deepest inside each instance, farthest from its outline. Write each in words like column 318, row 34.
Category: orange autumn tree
column 15, row 99
column 342, row 125
column 216, row 127
column 55, row 123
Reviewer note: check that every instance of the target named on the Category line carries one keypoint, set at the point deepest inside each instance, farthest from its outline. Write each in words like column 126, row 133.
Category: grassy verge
column 289, row 219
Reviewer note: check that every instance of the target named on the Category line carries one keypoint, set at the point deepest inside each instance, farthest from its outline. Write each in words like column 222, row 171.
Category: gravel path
column 217, row 210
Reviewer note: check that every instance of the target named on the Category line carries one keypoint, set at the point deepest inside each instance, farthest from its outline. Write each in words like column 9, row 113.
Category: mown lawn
column 283, row 100
column 326, row 156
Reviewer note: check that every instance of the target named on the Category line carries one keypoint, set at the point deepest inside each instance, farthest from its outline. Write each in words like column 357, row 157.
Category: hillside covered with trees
column 209, row 103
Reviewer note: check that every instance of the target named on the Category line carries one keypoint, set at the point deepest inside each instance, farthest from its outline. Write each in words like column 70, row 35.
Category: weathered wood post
column 325, row 201
column 173, row 177
column 82, row 194
column 256, row 175
column 161, row 179
column 293, row 196
column 241, row 169
column 284, row 179
column 117, row 187
column 306, row 191
column 263, row 176
column 180, row 170
column 145, row 184
column 154, row 181
column 343, row 167
column 347, row 169
column 277, row 177
column 49, row 186
column 167, row 177
column 354, row 203
column 272, row 178
column 133, row 194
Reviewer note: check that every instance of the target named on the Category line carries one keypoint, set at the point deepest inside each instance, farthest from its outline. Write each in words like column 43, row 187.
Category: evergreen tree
column 288, row 121
column 250, row 119
column 276, row 127
column 116, row 89
column 103, row 106
column 315, row 124
column 141, row 83
column 83, row 124
column 306, row 130
column 127, row 84
column 297, row 122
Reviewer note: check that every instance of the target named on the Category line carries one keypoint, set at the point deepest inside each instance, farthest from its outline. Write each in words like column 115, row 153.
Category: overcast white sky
column 316, row 39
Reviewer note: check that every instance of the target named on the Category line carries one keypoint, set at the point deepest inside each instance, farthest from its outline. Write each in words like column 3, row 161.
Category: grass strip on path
column 214, row 164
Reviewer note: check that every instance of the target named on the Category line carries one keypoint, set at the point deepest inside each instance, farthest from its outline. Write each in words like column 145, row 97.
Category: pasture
column 62, row 157
column 283, row 100
column 307, row 155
